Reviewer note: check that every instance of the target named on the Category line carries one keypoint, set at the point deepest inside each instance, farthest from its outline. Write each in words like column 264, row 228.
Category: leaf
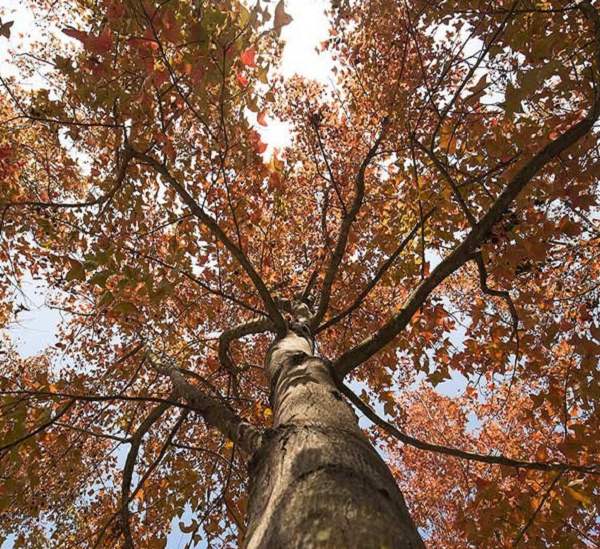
column 77, row 272
column 99, row 44
column 100, row 278
column 281, row 18
column 582, row 498
column 116, row 11
column 188, row 529
column 5, row 502
column 5, row 152
column 127, row 308
column 247, row 58
column 242, row 79
column 105, row 299
column 165, row 288
column 5, row 29
column 513, row 98
column 261, row 118
column 77, row 34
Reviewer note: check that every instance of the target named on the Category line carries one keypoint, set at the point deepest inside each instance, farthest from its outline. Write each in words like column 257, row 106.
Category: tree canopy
column 437, row 210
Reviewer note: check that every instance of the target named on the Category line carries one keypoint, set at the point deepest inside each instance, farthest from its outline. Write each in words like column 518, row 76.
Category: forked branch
column 216, row 413
column 347, row 221
column 154, row 415
column 384, row 268
column 480, row 232
column 220, row 235
column 250, row 327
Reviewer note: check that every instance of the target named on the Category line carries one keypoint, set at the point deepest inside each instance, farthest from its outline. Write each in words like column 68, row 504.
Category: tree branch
column 455, row 452
column 378, row 276
column 154, row 415
column 537, row 510
column 478, row 234
column 255, row 326
column 127, row 156
column 216, row 413
column 218, row 233
column 347, row 221
column 504, row 294
column 39, row 429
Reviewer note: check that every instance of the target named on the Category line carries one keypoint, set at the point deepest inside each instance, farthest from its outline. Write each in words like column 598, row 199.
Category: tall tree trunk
column 316, row 481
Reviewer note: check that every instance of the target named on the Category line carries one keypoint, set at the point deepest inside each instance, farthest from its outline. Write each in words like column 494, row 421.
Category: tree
column 227, row 312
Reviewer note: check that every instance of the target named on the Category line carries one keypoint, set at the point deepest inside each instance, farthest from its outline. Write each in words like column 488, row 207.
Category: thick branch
column 218, row 233
column 455, row 452
column 378, row 276
column 255, row 326
column 464, row 251
column 347, row 221
column 216, row 413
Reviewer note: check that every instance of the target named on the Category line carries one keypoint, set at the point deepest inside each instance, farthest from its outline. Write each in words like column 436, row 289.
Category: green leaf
column 99, row 279
column 513, row 99
column 77, row 272
column 165, row 288
column 127, row 308
column 105, row 299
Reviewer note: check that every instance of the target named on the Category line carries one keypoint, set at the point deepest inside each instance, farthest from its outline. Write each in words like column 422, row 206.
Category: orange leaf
column 261, row 118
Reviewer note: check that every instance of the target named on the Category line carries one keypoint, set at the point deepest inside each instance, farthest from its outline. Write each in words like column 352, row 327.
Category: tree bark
column 316, row 481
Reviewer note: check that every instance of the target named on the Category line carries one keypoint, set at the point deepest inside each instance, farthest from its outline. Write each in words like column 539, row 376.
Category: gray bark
column 316, row 481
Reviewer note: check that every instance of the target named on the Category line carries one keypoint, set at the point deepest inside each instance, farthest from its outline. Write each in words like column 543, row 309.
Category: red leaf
column 77, row 34
column 116, row 11
column 241, row 79
column 247, row 58
column 260, row 147
column 257, row 144
column 5, row 152
column 100, row 44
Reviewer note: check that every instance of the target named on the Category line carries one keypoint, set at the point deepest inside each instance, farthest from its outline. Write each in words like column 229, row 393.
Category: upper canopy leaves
column 438, row 210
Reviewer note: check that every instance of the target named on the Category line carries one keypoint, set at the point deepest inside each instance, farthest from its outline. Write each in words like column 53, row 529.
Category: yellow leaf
column 579, row 496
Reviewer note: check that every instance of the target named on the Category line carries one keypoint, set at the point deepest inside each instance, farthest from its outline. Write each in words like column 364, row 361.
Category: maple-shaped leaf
column 102, row 43
column 281, row 17
column 5, row 28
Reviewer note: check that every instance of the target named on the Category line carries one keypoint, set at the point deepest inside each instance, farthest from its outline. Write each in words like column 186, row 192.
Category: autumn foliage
column 437, row 209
